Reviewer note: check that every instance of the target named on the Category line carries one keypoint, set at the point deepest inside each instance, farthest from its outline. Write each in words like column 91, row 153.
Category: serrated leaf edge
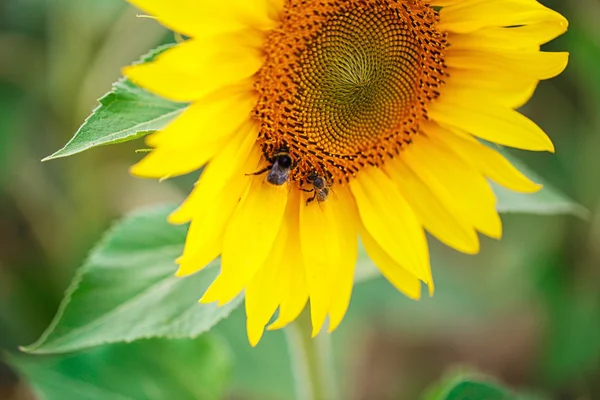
column 77, row 278
column 122, row 82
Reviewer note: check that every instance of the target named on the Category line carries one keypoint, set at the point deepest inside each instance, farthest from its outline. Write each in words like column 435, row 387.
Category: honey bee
column 279, row 167
column 320, row 187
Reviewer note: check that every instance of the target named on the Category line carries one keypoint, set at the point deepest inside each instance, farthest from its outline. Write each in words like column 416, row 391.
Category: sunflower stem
column 326, row 364
column 312, row 361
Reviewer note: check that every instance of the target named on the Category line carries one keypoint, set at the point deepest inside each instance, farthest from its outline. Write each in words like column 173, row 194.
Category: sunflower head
column 346, row 85
column 325, row 121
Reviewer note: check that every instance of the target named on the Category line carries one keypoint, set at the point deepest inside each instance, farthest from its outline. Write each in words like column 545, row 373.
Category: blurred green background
column 526, row 310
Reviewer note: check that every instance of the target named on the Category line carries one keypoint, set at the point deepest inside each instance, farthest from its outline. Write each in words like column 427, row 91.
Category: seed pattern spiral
column 346, row 83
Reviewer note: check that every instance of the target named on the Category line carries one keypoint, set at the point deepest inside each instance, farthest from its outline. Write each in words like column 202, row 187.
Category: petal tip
column 431, row 287
column 175, row 218
column 132, row 72
column 209, row 296
column 316, row 327
column 125, row 71
column 471, row 250
column 141, row 170
column 278, row 324
column 532, row 187
column 133, row 170
column 255, row 333
column 184, row 271
column 332, row 327
column 180, row 273
column 495, row 234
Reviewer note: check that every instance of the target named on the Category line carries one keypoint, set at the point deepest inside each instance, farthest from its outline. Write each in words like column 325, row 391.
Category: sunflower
column 319, row 122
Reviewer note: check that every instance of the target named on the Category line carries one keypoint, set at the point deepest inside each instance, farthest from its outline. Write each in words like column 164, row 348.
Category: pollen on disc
column 346, row 83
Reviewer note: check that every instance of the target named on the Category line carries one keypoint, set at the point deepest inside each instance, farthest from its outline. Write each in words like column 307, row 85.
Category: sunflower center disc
column 346, row 83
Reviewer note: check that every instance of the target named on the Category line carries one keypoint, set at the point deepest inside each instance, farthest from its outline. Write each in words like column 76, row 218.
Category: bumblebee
column 279, row 167
column 320, row 187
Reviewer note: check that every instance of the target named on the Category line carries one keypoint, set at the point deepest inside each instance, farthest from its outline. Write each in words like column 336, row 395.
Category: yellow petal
column 344, row 209
column 531, row 64
column 457, row 185
column 484, row 118
column 387, row 216
column 444, row 3
column 206, row 121
column 211, row 217
column 321, row 243
column 197, row 68
column 506, row 88
column 248, row 239
column 168, row 163
column 207, row 17
column 195, row 137
column 471, row 15
column 489, row 162
column 230, row 163
column 435, row 216
column 521, row 37
column 403, row 280
column 264, row 291
column 292, row 269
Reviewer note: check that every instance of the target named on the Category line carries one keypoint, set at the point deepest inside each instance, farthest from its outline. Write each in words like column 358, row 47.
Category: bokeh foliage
column 526, row 310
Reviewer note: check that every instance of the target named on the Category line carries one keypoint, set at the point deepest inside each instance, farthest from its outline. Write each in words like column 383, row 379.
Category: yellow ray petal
column 484, row 118
column 231, row 160
column 403, row 280
column 208, row 17
column 532, row 64
column 388, row 217
column 489, row 162
column 196, row 68
column 292, row 269
column 264, row 291
column 249, row 238
column 456, row 184
column 211, row 218
column 206, row 121
column 522, row 37
column 321, row 242
column 471, row 15
column 194, row 138
column 506, row 88
column 168, row 163
column 437, row 218
column 344, row 209
column 444, row 3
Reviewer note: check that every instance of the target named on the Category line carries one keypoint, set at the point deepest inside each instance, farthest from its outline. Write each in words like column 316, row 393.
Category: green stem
column 301, row 371
column 326, row 364
column 312, row 361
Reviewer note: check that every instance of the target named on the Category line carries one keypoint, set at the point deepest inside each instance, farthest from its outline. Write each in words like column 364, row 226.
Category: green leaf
column 154, row 369
column 471, row 390
column 126, row 113
column 547, row 201
column 463, row 386
column 127, row 290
